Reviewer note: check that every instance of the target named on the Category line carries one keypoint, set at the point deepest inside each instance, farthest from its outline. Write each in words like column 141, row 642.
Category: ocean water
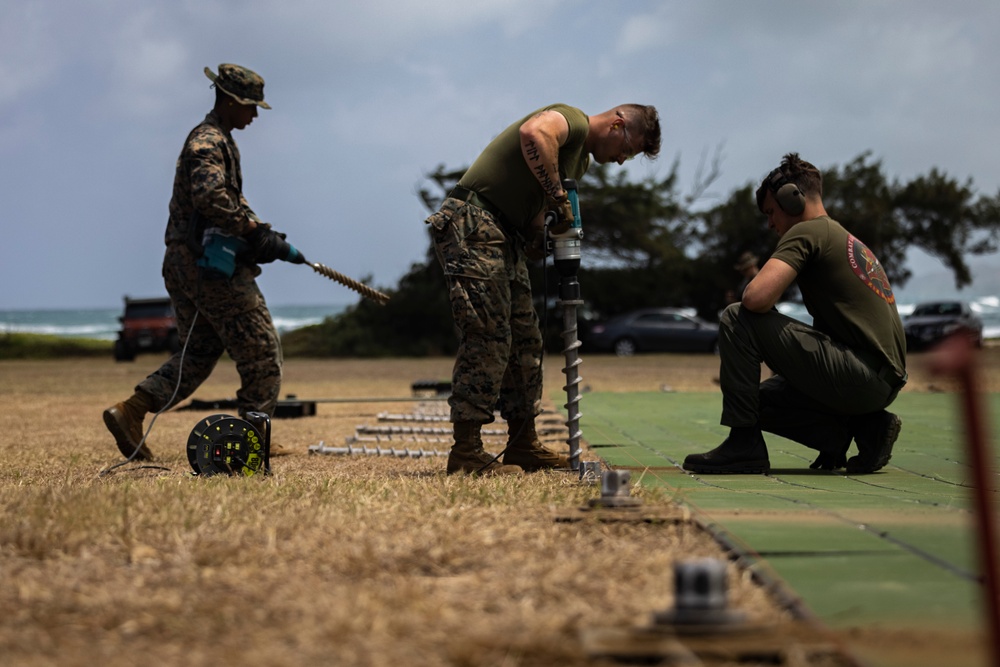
column 103, row 324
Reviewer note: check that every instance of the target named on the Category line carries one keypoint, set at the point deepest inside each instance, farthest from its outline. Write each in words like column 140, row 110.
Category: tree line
column 648, row 244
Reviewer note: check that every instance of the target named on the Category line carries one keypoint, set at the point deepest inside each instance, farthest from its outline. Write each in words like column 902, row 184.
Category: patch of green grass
column 44, row 346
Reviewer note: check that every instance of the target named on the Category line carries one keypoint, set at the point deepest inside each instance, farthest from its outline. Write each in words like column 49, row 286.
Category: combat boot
column 875, row 434
column 124, row 421
column 525, row 450
column 467, row 454
column 743, row 452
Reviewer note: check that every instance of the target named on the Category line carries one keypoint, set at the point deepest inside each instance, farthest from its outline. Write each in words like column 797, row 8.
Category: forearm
column 541, row 137
column 765, row 290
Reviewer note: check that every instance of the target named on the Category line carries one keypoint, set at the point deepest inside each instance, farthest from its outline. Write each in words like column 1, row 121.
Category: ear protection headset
column 787, row 194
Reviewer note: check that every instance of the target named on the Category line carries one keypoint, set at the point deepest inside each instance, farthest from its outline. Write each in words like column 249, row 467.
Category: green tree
column 935, row 213
column 416, row 321
column 632, row 224
column 946, row 219
column 727, row 230
column 645, row 246
column 860, row 197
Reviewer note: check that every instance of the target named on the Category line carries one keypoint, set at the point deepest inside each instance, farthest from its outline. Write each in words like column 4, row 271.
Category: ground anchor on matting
column 701, row 630
column 590, row 472
column 615, row 491
column 616, row 504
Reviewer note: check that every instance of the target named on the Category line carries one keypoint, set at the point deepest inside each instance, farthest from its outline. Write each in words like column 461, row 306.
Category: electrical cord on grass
column 166, row 406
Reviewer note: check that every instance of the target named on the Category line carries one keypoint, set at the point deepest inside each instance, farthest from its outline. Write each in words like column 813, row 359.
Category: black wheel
column 625, row 347
column 123, row 351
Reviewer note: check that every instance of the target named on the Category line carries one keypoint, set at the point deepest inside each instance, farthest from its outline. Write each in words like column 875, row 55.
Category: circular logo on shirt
column 867, row 267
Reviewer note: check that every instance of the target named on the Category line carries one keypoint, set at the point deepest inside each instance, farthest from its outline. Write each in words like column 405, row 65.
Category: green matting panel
column 896, row 547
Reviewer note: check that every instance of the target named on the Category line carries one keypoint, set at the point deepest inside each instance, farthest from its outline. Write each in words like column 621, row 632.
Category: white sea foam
column 103, row 323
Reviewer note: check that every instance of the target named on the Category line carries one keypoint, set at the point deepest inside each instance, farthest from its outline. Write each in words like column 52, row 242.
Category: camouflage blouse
column 208, row 186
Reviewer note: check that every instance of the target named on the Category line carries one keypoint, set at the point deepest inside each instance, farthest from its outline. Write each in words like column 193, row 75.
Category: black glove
column 267, row 245
column 829, row 461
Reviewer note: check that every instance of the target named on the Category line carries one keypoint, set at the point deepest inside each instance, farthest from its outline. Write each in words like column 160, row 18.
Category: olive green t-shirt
column 844, row 288
column 501, row 175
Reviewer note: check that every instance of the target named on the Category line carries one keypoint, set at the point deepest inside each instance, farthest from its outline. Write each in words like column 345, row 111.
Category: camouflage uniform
column 231, row 313
column 479, row 240
column 500, row 346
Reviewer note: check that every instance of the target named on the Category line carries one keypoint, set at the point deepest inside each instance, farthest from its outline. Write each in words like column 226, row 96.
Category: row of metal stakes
column 700, row 586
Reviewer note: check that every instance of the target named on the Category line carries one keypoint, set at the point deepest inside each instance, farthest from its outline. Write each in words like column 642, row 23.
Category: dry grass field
column 332, row 560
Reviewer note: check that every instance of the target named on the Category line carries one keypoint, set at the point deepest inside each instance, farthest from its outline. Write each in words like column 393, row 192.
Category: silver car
column 933, row 321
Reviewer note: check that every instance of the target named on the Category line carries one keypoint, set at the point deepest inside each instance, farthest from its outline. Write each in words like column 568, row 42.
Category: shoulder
column 578, row 122
column 802, row 242
column 571, row 114
column 205, row 138
column 820, row 227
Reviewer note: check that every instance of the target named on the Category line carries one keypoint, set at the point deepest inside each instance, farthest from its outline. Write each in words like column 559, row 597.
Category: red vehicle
column 148, row 325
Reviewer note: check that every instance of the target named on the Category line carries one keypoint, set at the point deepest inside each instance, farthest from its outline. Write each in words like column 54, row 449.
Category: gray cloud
column 98, row 96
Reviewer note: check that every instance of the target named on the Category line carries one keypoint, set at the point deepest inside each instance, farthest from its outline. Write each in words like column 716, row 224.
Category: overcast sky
column 97, row 96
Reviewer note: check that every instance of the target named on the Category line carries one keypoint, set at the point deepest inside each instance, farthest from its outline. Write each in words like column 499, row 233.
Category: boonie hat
column 242, row 84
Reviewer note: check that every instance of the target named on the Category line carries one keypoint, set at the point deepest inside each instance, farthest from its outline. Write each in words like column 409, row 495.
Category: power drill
column 221, row 250
column 566, row 247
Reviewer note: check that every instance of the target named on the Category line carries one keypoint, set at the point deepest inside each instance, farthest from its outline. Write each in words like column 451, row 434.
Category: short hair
column 793, row 169
column 646, row 122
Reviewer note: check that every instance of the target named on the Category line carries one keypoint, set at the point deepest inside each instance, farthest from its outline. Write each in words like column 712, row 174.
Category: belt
column 476, row 199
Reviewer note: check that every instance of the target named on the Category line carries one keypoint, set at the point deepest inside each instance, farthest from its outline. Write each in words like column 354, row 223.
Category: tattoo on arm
column 531, row 150
column 542, row 172
column 550, row 187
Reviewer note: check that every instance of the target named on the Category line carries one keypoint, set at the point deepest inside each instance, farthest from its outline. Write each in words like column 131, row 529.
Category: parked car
column 653, row 330
column 148, row 325
column 933, row 321
column 550, row 316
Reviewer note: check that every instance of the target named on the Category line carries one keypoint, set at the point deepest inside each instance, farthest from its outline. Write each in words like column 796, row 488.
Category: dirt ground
column 354, row 560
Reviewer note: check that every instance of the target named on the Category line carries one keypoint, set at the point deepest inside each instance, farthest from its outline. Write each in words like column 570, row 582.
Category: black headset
column 786, row 193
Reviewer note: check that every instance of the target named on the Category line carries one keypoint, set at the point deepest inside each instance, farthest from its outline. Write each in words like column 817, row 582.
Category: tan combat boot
column 467, row 454
column 124, row 420
column 525, row 450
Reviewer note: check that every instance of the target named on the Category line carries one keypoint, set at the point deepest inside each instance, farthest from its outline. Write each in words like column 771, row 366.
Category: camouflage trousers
column 499, row 360
column 232, row 317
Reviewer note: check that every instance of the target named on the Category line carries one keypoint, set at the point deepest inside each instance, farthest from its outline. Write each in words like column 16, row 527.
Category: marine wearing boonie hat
column 242, row 84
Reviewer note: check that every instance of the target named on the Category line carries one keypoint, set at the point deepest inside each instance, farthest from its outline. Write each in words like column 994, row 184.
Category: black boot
column 831, row 460
column 743, row 452
column 875, row 435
